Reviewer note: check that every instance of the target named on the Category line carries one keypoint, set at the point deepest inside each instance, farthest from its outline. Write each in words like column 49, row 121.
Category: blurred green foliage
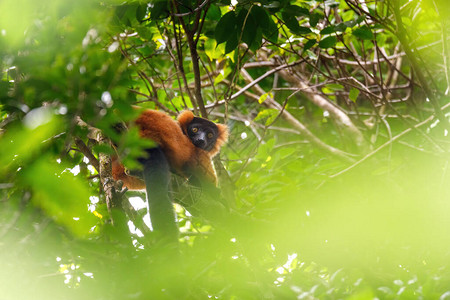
column 296, row 222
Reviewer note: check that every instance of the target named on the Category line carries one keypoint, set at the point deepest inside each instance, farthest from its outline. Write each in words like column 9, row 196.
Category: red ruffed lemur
column 185, row 147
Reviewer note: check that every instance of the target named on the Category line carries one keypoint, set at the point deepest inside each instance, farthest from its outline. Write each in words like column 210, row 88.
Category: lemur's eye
column 195, row 130
column 210, row 135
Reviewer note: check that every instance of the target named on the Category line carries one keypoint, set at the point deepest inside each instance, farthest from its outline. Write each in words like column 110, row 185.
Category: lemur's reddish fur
column 180, row 152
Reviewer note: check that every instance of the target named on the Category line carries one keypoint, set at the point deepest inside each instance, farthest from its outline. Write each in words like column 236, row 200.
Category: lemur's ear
column 184, row 119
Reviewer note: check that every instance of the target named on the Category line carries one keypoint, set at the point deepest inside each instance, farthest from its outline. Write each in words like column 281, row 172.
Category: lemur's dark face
column 202, row 133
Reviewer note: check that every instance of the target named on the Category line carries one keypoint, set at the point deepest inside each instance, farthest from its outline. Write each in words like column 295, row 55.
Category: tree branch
column 113, row 196
column 294, row 122
column 395, row 138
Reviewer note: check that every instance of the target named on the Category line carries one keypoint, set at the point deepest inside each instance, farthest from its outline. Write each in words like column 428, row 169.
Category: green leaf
column 264, row 97
column 328, row 42
column 127, row 13
column 141, row 11
column 309, row 44
column 162, row 94
column 271, row 33
column 335, row 87
column 257, row 41
column 350, row 24
column 292, row 23
column 210, row 48
column 232, row 43
column 296, row 10
column 314, row 19
column 266, row 113
column 341, row 27
column 328, row 30
column 353, row 95
column 261, row 16
column 103, row 149
column 226, row 27
column 213, row 13
column 159, row 10
column 360, row 19
column 224, row 74
column 20, row 144
column 249, row 28
column 363, row 33
column 61, row 195
column 303, row 30
column 272, row 118
column 144, row 32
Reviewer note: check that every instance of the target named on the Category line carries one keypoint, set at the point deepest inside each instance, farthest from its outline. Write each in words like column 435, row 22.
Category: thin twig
column 429, row 119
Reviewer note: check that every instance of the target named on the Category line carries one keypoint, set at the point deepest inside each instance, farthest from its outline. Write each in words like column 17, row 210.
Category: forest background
column 334, row 182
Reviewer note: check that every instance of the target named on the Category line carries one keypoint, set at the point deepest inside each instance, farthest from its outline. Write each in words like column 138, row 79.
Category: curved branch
column 113, row 196
column 198, row 8
column 339, row 116
column 336, row 113
column 257, row 80
column 88, row 153
column 303, row 130
column 395, row 138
